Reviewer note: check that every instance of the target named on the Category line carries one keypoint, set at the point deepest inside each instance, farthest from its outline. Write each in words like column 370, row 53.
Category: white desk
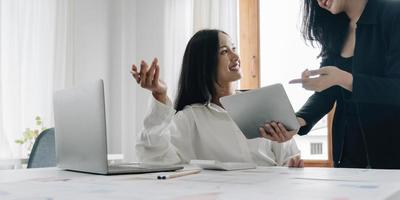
column 261, row 183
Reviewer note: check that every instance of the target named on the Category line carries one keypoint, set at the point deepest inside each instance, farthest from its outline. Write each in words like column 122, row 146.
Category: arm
column 166, row 137
column 317, row 106
column 382, row 88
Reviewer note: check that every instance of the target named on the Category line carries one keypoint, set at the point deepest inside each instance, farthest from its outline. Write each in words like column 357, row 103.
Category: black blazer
column 376, row 87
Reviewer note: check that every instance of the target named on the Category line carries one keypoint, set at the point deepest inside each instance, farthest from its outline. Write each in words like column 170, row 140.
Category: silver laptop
column 250, row 110
column 81, row 138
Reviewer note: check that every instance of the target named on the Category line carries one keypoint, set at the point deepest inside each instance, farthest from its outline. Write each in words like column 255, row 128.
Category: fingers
column 135, row 73
column 287, row 136
column 266, row 135
column 301, row 165
column 134, row 68
column 296, row 162
column 156, row 75
column 294, row 81
column 272, row 132
column 315, row 72
column 150, row 73
column 291, row 163
column 320, row 71
column 143, row 73
column 314, row 84
column 278, row 132
column 305, row 74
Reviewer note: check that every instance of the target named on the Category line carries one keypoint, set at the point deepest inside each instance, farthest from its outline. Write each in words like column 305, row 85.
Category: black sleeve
column 384, row 89
column 318, row 105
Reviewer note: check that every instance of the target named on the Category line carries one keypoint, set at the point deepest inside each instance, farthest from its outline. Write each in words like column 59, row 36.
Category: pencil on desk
column 179, row 174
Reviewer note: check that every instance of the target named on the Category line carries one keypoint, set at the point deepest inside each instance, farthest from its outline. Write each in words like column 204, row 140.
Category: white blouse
column 204, row 132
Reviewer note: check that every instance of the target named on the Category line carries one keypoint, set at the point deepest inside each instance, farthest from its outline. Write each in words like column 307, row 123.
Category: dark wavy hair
column 199, row 69
column 322, row 27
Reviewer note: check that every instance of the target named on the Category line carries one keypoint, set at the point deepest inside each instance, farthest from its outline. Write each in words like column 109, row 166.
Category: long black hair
column 199, row 69
column 322, row 27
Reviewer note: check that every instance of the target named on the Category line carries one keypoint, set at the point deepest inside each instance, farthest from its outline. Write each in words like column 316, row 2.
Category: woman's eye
column 224, row 51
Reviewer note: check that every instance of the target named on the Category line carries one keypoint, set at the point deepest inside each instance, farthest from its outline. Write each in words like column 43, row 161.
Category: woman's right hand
column 149, row 78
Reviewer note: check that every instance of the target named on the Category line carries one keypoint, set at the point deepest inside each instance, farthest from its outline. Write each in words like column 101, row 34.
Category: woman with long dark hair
column 199, row 127
column 360, row 72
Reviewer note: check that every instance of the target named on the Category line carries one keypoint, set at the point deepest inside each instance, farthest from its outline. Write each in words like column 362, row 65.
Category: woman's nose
column 234, row 57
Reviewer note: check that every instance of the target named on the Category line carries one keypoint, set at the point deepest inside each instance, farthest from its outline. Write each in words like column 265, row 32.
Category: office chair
column 43, row 153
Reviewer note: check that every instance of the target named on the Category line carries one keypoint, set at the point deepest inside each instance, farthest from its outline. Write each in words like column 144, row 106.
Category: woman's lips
column 234, row 67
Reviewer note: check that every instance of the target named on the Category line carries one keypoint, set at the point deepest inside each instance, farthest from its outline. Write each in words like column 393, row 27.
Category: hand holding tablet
column 252, row 109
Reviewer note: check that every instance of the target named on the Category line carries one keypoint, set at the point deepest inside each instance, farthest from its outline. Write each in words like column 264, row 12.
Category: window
column 316, row 148
column 278, row 54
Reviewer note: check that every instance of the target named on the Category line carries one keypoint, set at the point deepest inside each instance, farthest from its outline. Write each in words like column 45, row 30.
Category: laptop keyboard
column 140, row 168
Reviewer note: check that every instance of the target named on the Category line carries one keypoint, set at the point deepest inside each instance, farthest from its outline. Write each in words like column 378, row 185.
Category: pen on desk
column 179, row 174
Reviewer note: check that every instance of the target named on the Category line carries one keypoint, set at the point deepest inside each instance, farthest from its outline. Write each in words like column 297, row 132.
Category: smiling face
column 333, row 6
column 228, row 61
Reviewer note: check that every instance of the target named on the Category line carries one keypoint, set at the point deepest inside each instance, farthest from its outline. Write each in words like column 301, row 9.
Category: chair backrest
column 43, row 152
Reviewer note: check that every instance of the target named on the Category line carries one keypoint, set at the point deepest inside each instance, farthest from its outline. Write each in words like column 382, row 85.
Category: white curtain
column 185, row 17
column 178, row 30
column 28, row 42
column 220, row 14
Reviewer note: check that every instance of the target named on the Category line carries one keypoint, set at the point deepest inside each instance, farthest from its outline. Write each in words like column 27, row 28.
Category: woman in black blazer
column 360, row 72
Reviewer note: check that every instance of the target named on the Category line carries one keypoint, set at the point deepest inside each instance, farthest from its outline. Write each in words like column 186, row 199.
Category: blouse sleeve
column 166, row 137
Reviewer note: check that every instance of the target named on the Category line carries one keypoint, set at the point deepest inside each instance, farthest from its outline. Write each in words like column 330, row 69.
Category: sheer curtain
column 221, row 14
column 178, row 31
column 185, row 17
column 26, row 69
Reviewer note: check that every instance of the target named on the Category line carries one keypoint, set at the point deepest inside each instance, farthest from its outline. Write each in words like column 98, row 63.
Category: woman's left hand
column 276, row 131
column 326, row 77
column 296, row 162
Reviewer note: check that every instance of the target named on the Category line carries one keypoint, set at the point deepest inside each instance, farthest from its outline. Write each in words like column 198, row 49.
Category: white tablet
column 250, row 110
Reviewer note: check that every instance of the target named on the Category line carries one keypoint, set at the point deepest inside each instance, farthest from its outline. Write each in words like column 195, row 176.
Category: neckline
column 346, row 58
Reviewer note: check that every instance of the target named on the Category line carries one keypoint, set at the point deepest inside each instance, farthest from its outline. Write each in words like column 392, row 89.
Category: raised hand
column 326, row 77
column 149, row 78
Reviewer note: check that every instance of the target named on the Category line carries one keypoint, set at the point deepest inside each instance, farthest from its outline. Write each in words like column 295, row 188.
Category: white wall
column 91, row 40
